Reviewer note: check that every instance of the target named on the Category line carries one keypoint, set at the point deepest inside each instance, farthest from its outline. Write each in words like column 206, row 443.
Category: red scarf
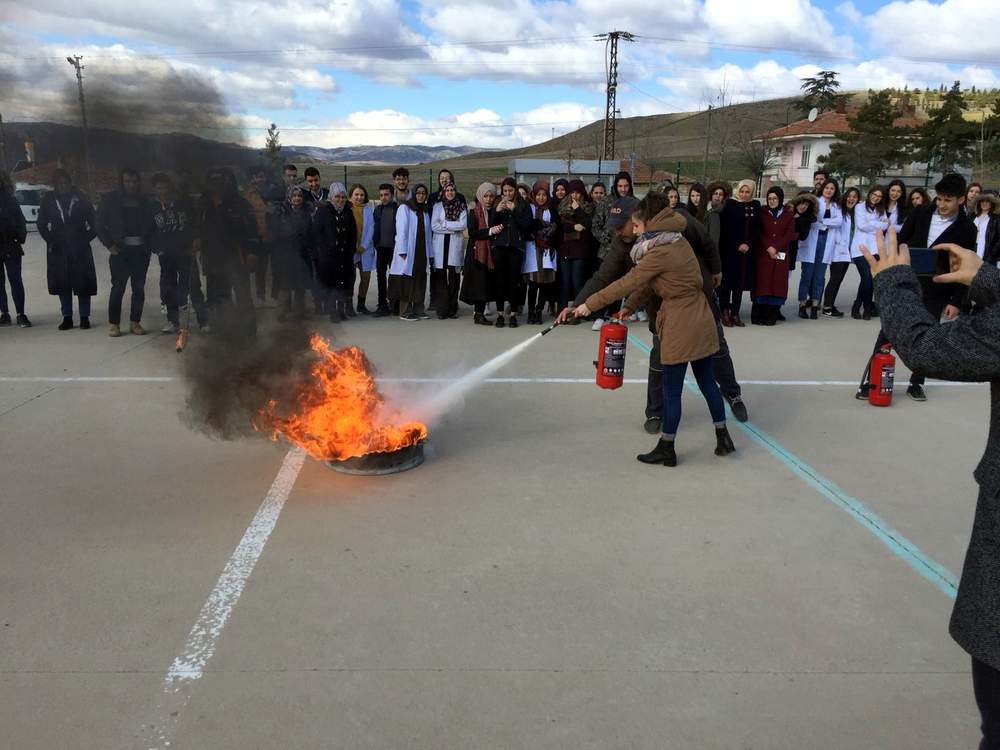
column 482, row 247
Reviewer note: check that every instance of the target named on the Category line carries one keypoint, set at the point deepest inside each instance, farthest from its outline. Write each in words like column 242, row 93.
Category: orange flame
column 339, row 412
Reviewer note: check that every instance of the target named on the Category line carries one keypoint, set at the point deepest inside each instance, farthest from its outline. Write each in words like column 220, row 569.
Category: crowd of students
column 522, row 250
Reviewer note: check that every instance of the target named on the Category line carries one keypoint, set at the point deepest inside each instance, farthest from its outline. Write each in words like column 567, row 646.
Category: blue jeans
column 66, row 305
column 12, row 264
column 572, row 277
column 673, row 386
column 811, row 282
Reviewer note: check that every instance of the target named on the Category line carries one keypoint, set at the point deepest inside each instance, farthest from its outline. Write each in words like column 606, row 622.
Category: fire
column 339, row 412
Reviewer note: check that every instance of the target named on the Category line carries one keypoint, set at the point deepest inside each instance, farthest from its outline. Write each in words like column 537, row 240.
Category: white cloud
column 785, row 23
column 850, row 13
column 957, row 30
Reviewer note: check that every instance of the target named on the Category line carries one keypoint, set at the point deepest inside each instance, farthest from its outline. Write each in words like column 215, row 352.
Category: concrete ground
column 530, row 586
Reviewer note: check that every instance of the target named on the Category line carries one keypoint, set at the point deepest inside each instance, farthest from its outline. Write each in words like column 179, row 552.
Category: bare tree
column 756, row 155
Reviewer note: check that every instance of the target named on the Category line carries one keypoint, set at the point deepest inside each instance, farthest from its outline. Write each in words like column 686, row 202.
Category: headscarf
column 577, row 186
column 481, row 248
column 561, row 181
column 412, row 204
column 337, row 188
column 292, row 190
column 452, row 208
column 622, row 176
column 748, row 183
column 776, row 212
column 540, row 185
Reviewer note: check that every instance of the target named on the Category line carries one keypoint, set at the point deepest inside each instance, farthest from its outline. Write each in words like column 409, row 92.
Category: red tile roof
column 828, row 123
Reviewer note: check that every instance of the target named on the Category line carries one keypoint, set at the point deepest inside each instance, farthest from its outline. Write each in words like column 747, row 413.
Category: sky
column 477, row 73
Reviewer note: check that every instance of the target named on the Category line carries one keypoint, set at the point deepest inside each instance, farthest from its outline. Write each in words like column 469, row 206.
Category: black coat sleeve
column 612, row 268
column 967, row 349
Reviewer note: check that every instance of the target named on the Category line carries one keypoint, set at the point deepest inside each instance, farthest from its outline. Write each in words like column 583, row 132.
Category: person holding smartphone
column 967, row 350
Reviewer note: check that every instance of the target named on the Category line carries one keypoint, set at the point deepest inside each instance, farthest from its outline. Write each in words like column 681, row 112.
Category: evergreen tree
column 272, row 144
column 873, row 145
column 820, row 91
column 947, row 140
column 991, row 134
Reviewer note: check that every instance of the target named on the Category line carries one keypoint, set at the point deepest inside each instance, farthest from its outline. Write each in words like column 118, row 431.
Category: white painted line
column 555, row 381
column 189, row 665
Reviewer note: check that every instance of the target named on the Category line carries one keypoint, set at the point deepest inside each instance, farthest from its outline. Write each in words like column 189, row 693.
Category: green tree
column 272, row 144
column 947, row 140
column 820, row 91
column 873, row 145
column 991, row 136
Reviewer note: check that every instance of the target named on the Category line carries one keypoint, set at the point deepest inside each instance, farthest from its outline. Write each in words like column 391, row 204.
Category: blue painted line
column 898, row 544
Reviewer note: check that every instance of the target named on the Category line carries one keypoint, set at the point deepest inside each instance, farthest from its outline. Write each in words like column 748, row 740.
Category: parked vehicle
column 30, row 198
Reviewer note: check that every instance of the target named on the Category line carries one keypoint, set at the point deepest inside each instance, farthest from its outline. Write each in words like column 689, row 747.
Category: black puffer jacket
column 13, row 228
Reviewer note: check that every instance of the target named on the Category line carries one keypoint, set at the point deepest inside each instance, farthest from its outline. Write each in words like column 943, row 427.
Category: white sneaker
column 643, row 317
column 597, row 324
column 163, row 309
column 633, row 318
column 169, row 328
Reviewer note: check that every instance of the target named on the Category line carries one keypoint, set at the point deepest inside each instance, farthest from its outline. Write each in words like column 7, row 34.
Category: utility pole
column 611, row 51
column 75, row 62
column 3, row 147
column 708, row 137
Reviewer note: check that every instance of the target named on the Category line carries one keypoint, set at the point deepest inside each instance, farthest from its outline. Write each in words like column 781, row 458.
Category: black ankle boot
column 723, row 442
column 663, row 453
column 66, row 324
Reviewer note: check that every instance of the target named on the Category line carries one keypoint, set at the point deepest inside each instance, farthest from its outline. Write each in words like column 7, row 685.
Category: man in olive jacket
column 966, row 349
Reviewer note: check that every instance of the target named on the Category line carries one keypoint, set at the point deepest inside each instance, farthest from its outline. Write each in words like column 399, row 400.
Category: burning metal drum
column 390, row 462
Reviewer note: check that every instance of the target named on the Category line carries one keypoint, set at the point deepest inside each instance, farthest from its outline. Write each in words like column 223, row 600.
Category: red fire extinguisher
column 611, row 356
column 883, row 376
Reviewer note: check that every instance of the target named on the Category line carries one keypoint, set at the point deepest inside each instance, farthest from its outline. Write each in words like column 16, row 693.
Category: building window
column 806, row 154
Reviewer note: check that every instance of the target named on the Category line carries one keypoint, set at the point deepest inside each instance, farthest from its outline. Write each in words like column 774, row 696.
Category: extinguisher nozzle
column 550, row 328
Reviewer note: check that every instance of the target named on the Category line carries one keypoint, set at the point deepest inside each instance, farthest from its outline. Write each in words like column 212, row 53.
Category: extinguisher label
column 614, row 357
column 887, row 379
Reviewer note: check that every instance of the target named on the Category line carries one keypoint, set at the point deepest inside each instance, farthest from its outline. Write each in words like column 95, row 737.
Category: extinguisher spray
column 883, row 377
column 611, row 356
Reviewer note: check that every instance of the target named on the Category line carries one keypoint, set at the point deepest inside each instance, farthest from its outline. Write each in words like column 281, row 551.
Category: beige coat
column 684, row 322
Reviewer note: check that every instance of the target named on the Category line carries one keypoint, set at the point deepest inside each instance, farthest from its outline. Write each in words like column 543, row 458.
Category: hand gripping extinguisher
column 611, row 356
column 883, row 376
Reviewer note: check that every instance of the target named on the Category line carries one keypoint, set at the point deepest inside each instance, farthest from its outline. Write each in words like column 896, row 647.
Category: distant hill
column 374, row 155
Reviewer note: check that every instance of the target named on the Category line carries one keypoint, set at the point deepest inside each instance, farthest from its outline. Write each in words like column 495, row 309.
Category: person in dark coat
column 67, row 224
column 576, row 246
column 384, row 216
column 740, row 225
column 225, row 241
column 942, row 222
column 125, row 228
column 335, row 238
column 478, row 275
column 290, row 229
column 986, row 216
column 777, row 232
column 445, row 178
column 173, row 242
column 513, row 215
column 967, row 350
column 13, row 233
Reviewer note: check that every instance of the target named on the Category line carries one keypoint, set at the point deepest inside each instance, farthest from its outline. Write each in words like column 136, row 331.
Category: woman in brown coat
column 666, row 266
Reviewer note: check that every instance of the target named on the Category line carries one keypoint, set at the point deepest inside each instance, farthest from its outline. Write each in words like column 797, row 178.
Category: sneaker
column 114, row 331
column 163, row 309
column 5, row 319
column 653, row 425
column 832, row 312
column 738, row 407
column 136, row 329
column 169, row 328
column 633, row 318
column 598, row 323
column 916, row 392
column 381, row 312
column 23, row 322
column 66, row 324
column 409, row 317
column 643, row 317
column 513, row 321
column 205, row 328
column 423, row 316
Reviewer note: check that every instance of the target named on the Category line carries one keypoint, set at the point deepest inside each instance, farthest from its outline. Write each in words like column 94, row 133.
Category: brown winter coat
column 684, row 322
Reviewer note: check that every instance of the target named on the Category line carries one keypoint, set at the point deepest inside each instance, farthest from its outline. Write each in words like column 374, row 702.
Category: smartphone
column 781, row 256
column 927, row 262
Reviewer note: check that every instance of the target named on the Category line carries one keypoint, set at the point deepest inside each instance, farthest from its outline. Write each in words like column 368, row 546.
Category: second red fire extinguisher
column 611, row 355
column 882, row 377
